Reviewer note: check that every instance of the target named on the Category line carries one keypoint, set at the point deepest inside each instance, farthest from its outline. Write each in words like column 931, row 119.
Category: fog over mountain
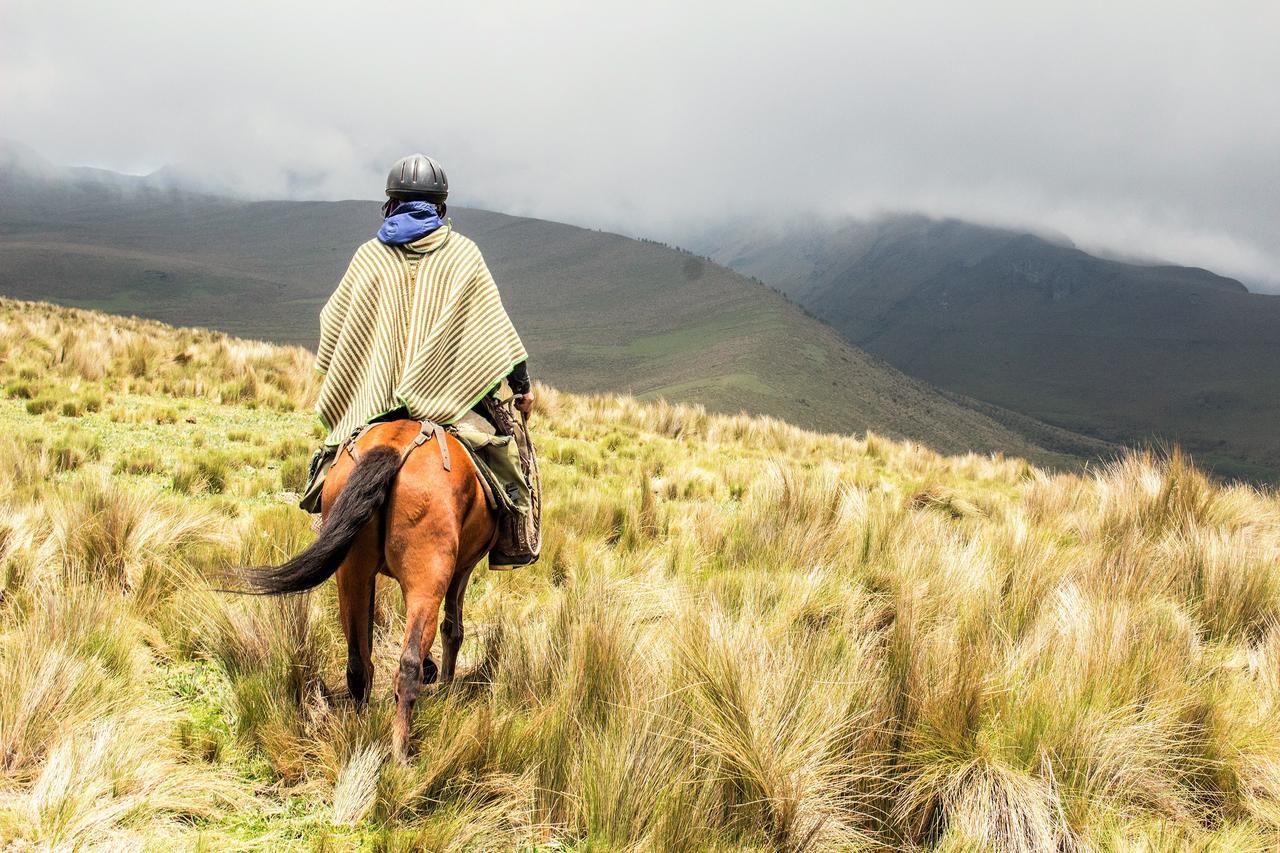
column 1145, row 130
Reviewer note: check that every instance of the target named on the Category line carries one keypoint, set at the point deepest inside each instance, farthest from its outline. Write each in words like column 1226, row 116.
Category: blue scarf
column 409, row 221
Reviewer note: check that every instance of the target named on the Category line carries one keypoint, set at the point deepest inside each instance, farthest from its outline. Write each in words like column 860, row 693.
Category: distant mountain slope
column 1117, row 350
column 598, row 311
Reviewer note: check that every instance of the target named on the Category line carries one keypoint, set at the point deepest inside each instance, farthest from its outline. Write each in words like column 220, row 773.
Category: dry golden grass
column 742, row 635
column 131, row 355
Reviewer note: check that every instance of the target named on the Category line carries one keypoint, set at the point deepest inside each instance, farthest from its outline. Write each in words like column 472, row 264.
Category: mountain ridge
column 1122, row 352
column 599, row 311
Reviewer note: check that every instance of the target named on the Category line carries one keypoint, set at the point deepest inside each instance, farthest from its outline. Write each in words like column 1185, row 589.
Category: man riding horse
column 425, row 468
column 416, row 330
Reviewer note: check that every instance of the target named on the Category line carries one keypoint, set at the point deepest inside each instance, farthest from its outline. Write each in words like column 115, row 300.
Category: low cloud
column 1136, row 128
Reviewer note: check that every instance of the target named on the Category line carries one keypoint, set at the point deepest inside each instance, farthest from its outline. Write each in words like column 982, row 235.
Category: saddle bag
column 519, row 532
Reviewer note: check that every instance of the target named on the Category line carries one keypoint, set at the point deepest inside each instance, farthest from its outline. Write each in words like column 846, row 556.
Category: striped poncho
column 420, row 326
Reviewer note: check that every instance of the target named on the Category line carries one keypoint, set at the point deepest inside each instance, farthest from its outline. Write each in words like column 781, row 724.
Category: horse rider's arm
column 519, row 379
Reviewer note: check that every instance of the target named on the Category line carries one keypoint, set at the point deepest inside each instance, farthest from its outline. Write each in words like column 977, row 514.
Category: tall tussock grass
column 45, row 345
column 87, row 750
column 741, row 636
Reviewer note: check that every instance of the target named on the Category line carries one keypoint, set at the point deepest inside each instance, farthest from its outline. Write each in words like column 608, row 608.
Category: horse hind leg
column 422, row 606
column 360, row 656
column 356, row 578
column 451, row 632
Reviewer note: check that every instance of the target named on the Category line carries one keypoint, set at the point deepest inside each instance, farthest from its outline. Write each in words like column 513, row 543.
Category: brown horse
column 433, row 530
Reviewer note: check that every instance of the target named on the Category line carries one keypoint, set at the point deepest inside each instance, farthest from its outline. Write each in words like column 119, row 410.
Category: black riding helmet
column 418, row 177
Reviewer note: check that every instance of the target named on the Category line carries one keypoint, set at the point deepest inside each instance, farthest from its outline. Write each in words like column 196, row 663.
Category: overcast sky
column 1147, row 128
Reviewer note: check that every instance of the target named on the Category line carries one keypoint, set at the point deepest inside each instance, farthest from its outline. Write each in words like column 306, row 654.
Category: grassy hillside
column 1120, row 351
column 742, row 635
column 599, row 312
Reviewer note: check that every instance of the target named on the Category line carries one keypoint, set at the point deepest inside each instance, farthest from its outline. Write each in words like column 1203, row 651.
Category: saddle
column 506, row 468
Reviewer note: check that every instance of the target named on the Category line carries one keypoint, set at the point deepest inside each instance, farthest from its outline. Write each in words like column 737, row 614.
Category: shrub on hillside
column 145, row 460
column 21, row 389
column 72, row 449
column 138, row 356
column 44, row 403
column 206, row 474
column 290, row 447
column 103, row 532
column 238, row 390
column 294, row 473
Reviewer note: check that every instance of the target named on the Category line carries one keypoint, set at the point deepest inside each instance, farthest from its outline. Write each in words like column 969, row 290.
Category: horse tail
column 359, row 501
